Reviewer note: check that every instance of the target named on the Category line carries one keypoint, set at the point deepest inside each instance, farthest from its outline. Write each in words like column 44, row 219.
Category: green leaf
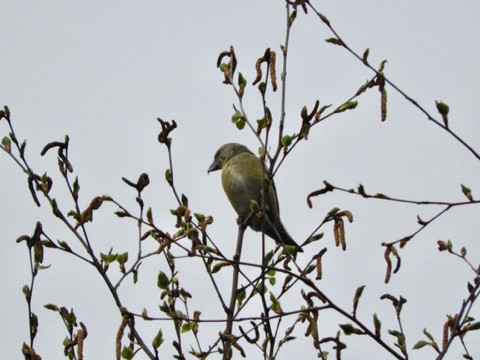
column 356, row 298
column 64, row 245
column 335, row 41
column 184, row 200
column 200, row 217
column 420, row 344
column 332, row 212
column 217, row 267
column 349, row 105
column 315, row 238
column 260, row 288
column 158, row 340
column 7, row 144
column 400, row 337
column 242, row 82
column 287, row 280
column 467, row 192
column 122, row 258
column 310, row 268
column 52, row 307
column 168, row 176
column 262, row 123
column 237, row 116
column 241, row 295
column 322, row 109
column 162, row 281
column 304, row 113
column 149, row 215
column 186, row 327
column 286, row 140
column 164, row 308
column 127, row 353
column 112, row 257
column 349, row 329
column 442, row 108
column 293, row 16
column 276, row 307
column 271, row 272
column 7, row 112
column 268, row 256
column 240, row 124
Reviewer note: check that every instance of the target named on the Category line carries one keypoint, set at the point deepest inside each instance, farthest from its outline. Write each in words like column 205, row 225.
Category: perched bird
column 242, row 179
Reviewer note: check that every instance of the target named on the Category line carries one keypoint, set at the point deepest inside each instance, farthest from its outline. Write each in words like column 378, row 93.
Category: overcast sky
column 102, row 72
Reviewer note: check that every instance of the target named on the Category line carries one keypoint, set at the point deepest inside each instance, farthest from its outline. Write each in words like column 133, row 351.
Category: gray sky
column 102, row 72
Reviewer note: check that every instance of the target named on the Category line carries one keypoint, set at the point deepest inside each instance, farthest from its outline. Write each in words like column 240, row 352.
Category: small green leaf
column 186, row 327
column 127, row 353
column 332, row 212
column 304, row 113
column 149, row 215
column 7, row 144
column 310, row 268
column 276, row 307
column 52, row 307
column 322, row 109
column 293, row 16
column 162, row 281
column 241, row 295
column 121, row 214
column 240, row 124
column 442, row 108
column 7, row 112
column 242, row 82
column 158, row 340
column 169, row 176
column 420, row 344
column 400, row 337
column 349, row 329
column 237, row 116
column 356, row 298
column 268, row 256
column 262, row 123
column 467, row 192
column 286, row 140
column 261, row 288
column 335, row 41
column 349, row 105
column 64, row 245
column 217, row 267
column 122, row 258
column 200, row 217
column 315, row 237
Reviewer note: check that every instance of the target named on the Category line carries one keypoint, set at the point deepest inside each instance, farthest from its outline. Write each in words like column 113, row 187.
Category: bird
column 242, row 180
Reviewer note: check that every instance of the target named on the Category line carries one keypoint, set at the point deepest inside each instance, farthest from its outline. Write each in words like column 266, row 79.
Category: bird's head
column 225, row 153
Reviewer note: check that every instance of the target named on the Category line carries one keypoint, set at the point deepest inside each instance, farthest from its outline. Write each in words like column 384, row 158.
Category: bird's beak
column 214, row 167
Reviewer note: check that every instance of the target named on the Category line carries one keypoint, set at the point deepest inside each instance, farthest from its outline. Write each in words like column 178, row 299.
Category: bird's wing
column 273, row 201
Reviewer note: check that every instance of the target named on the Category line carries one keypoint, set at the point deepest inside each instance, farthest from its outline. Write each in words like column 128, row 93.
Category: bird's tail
column 278, row 233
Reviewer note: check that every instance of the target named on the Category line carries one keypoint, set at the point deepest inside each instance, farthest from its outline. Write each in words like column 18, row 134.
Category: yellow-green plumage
column 242, row 180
